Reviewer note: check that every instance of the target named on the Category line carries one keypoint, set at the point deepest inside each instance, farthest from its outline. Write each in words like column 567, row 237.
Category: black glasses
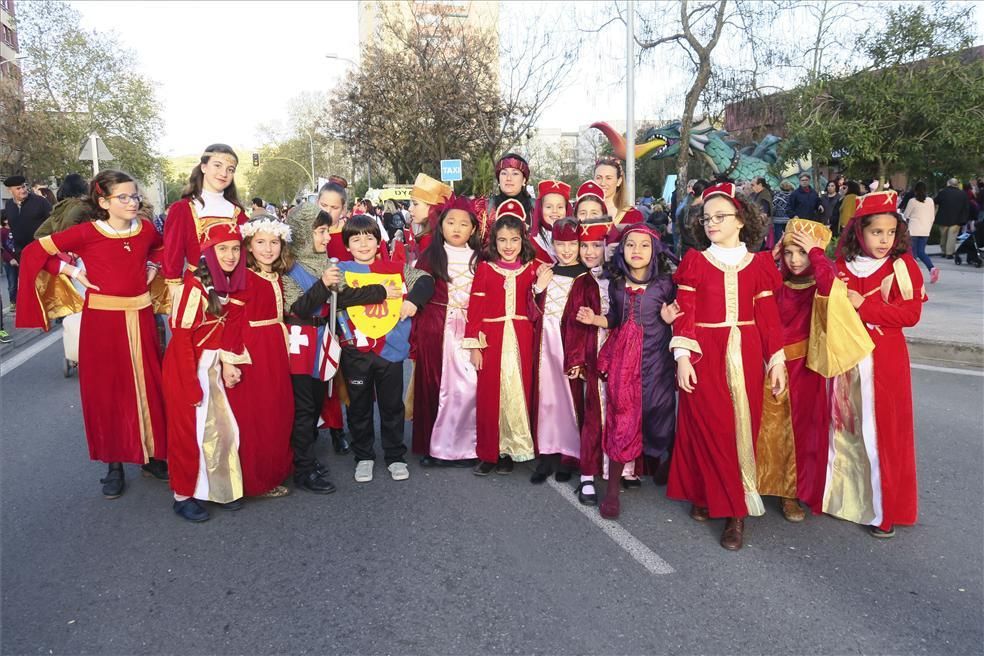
column 717, row 219
column 125, row 199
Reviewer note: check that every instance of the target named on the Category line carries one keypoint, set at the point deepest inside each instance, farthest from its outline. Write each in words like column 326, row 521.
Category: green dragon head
column 667, row 138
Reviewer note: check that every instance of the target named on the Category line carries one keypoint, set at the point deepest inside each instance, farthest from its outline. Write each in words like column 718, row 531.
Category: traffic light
column 256, row 159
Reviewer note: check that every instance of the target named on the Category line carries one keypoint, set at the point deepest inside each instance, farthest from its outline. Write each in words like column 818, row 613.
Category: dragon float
column 722, row 152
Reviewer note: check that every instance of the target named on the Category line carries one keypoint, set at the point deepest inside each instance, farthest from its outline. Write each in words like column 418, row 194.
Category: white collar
column 863, row 266
column 729, row 256
column 104, row 224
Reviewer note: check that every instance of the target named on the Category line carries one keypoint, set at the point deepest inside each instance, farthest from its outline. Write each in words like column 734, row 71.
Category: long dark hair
column 850, row 246
column 920, row 190
column 437, row 258
column 526, row 254
column 204, row 276
column 659, row 265
column 102, row 186
column 194, row 188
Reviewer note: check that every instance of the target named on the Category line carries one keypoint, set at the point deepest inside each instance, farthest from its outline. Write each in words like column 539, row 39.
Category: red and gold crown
column 565, row 230
column 218, row 232
column 591, row 189
column 818, row 231
column 593, row 230
column 877, row 202
column 511, row 207
column 553, row 187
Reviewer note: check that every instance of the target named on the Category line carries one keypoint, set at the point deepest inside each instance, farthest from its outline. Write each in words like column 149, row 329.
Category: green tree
column 75, row 82
column 915, row 103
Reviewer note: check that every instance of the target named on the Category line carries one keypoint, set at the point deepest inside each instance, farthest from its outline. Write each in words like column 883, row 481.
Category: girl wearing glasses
column 119, row 360
column 725, row 340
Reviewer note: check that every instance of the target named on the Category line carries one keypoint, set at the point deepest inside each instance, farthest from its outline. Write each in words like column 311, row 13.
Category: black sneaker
column 315, row 481
column 541, row 473
column 157, row 469
column 232, row 505
column 504, row 466
column 190, row 510
column 484, row 468
column 113, row 484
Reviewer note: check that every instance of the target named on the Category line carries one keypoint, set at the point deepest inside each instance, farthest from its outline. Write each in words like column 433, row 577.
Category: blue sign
column 450, row 170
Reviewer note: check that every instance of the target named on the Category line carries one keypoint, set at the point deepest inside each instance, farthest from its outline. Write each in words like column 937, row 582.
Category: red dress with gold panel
column 203, row 454
column 871, row 469
column 730, row 325
column 186, row 221
column 119, row 360
column 263, row 401
column 499, row 323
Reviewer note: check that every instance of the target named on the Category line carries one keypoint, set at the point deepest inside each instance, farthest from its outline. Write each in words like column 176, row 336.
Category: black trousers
column 364, row 374
column 309, row 396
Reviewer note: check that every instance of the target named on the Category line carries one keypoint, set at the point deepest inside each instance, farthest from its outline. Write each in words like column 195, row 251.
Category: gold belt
column 796, row 350
column 265, row 322
column 510, row 317
column 725, row 324
column 120, row 303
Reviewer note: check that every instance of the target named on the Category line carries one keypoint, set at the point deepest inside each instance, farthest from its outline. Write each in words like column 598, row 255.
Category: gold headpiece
column 428, row 190
column 818, row 231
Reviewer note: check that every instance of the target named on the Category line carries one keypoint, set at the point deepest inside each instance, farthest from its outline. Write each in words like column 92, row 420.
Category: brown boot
column 699, row 514
column 732, row 538
column 792, row 510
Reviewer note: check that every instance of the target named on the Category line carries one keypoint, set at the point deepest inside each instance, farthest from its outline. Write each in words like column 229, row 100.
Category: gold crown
column 818, row 231
column 428, row 190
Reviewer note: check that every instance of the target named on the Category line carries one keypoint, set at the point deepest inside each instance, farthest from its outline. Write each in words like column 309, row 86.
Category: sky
column 223, row 68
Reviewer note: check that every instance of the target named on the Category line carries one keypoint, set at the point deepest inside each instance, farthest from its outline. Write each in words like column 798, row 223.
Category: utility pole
column 313, row 176
column 630, row 102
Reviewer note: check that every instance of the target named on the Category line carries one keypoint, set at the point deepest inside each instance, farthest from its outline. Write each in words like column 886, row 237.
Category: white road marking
column 950, row 370
column 640, row 552
column 20, row 357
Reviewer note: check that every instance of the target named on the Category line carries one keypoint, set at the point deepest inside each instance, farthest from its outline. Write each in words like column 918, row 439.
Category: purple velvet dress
column 638, row 349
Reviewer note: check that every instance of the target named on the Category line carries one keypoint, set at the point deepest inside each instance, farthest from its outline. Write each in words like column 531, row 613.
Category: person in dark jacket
column 804, row 201
column 952, row 208
column 25, row 212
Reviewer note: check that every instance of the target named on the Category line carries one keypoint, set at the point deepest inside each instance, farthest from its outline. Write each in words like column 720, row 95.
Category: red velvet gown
column 871, row 473
column 809, row 402
column 499, row 323
column 183, row 230
column 582, row 344
column 119, row 357
column 203, row 457
column 730, row 324
column 263, row 401
column 436, row 338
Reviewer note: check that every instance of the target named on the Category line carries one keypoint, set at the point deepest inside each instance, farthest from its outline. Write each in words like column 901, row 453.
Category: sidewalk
column 951, row 331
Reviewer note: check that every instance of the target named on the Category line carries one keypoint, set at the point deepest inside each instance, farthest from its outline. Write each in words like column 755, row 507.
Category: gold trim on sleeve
column 48, row 244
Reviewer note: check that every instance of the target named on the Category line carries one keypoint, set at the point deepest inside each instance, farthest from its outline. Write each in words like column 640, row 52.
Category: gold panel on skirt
column 515, row 436
column 775, row 451
column 743, row 413
column 225, row 475
column 849, row 494
column 139, row 382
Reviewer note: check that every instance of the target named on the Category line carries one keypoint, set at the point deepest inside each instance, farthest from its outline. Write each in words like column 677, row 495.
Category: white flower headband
column 268, row 225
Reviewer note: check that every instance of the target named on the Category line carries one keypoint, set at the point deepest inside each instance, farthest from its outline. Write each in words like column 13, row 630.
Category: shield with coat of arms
column 374, row 321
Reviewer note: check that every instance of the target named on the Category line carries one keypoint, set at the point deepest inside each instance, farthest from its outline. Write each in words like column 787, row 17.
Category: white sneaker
column 399, row 471
column 363, row 471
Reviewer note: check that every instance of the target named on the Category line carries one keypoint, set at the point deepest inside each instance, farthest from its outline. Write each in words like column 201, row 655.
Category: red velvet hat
column 512, row 161
column 726, row 189
column 593, row 230
column 589, row 189
column 457, row 203
column 877, row 202
column 511, row 207
column 219, row 232
column 553, row 187
column 565, row 230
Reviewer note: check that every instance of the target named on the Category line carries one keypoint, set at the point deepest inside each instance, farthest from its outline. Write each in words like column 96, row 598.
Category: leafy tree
column 75, row 82
column 913, row 104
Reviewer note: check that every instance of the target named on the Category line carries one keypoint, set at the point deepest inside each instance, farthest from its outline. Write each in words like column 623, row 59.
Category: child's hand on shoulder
column 670, row 311
column 544, row 274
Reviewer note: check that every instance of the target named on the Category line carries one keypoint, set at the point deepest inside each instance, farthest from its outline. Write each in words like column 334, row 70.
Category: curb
column 963, row 355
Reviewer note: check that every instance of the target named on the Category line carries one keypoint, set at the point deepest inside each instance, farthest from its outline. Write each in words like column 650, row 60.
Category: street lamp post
column 630, row 101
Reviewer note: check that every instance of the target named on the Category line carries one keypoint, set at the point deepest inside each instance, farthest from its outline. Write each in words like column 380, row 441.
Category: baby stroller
column 970, row 245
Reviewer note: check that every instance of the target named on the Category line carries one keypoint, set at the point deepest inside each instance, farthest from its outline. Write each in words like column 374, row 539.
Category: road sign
column 95, row 150
column 450, row 170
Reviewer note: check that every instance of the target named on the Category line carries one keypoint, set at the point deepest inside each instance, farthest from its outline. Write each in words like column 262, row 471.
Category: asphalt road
column 452, row 564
